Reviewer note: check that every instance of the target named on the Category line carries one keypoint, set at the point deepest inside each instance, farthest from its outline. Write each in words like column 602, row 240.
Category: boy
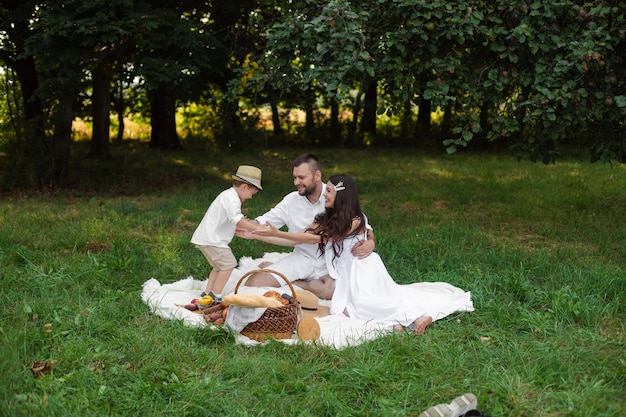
column 217, row 228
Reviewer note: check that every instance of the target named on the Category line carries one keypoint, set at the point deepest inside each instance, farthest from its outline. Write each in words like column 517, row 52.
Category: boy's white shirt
column 218, row 225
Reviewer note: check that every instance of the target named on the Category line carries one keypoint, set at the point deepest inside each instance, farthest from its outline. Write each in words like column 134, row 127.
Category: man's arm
column 277, row 215
column 247, row 234
column 364, row 248
column 295, row 237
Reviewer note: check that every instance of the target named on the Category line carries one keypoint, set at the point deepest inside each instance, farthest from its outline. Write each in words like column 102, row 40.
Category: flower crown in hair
column 339, row 186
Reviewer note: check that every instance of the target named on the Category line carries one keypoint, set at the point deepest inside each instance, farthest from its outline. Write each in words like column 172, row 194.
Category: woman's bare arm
column 247, row 234
column 297, row 237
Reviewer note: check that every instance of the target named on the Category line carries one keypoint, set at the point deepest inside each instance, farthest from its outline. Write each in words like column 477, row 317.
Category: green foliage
column 533, row 73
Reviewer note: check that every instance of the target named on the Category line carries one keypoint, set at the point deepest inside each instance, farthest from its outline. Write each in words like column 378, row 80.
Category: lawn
column 541, row 248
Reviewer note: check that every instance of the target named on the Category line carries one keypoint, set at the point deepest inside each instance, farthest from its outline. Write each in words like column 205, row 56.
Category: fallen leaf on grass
column 484, row 338
column 40, row 368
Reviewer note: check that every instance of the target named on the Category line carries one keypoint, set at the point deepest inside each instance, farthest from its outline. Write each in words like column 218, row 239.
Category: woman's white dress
column 364, row 289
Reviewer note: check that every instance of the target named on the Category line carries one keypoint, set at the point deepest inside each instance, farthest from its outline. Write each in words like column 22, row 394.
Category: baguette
column 250, row 300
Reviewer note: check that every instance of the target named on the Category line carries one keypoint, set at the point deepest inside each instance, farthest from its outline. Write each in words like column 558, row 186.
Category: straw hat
column 309, row 304
column 249, row 174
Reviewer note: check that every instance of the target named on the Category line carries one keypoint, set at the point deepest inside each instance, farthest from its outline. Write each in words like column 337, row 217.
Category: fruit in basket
column 206, row 300
column 191, row 307
column 214, row 316
column 219, row 321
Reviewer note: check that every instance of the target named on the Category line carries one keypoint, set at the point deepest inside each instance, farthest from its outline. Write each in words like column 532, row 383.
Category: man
column 297, row 210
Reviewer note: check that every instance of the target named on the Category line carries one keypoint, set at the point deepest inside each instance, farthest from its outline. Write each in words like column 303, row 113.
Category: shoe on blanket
column 308, row 329
column 457, row 408
column 216, row 300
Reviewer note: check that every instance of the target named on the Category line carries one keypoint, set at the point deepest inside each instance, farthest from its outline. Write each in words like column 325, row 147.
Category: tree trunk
column 406, row 121
column 63, row 116
column 121, row 128
column 163, row 120
column 278, row 132
column 33, row 108
column 335, row 126
column 446, row 124
column 422, row 129
column 101, row 99
column 368, row 121
column 352, row 126
column 231, row 135
column 119, row 109
column 26, row 73
column 309, row 118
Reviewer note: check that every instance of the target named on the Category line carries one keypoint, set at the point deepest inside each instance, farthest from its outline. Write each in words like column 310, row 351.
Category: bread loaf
column 276, row 295
column 250, row 300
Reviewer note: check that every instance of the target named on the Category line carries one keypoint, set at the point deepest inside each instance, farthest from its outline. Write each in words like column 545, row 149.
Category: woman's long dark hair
column 335, row 224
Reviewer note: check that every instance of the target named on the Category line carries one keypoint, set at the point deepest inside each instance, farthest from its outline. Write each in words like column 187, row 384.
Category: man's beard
column 307, row 191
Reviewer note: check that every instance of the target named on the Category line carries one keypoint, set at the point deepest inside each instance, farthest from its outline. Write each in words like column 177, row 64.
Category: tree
column 76, row 44
column 535, row 74
column 28, row 146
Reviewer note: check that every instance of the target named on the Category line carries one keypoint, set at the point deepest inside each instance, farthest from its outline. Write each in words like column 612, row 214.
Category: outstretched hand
column 244, row 233
column 269, row 230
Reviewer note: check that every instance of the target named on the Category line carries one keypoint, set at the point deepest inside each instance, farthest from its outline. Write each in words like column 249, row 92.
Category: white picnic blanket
column 165, row 300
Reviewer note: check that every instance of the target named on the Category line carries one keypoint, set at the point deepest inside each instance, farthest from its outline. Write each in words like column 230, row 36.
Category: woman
column 364, row 289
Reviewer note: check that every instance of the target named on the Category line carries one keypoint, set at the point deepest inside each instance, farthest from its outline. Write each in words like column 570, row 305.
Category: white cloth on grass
column 336, row 330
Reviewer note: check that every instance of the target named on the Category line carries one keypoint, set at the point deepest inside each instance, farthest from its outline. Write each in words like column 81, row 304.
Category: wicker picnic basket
column 206, row 312
column 276, row 322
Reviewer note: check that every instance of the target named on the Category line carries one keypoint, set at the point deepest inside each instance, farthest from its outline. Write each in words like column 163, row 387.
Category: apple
column 219, row 321
column 191, row 307
column 214, row 316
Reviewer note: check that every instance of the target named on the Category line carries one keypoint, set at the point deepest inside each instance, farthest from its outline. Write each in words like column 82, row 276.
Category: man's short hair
column 308, row 158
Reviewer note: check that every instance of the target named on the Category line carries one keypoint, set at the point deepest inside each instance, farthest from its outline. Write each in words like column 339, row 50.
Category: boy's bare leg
column 210, row 283
column 220, row 280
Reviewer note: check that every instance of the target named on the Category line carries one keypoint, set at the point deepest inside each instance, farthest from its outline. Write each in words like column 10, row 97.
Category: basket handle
column 271, row 271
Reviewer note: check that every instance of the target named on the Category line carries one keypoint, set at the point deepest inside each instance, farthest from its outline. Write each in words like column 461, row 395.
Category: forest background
column 534, row 77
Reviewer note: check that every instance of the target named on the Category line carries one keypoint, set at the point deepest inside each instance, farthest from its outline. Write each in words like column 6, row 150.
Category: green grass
column 541, row 248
